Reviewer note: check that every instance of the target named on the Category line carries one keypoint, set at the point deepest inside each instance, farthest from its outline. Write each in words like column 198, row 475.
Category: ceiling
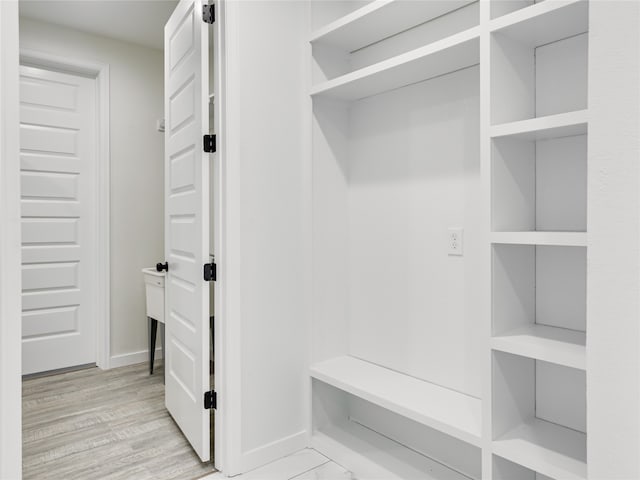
column 136, row 21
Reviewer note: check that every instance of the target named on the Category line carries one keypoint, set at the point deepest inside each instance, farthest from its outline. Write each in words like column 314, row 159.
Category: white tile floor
column 303, row 465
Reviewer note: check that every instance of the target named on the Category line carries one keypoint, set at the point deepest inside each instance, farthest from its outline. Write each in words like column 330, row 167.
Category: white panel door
column 57, row 159
column 187, row 222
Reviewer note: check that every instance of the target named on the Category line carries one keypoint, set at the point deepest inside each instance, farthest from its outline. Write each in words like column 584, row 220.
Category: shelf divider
column 446, row 410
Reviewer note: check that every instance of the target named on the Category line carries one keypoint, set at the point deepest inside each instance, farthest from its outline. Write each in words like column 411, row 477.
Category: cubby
column 539, row 302
column 539, row 416
column 539, row 62
column 539, row 185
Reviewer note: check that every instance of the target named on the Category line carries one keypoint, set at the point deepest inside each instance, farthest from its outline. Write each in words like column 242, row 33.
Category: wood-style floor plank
column 108, row 425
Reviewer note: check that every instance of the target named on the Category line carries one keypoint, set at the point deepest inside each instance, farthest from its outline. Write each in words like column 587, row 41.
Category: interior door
column 187, row 222
column 57, row 183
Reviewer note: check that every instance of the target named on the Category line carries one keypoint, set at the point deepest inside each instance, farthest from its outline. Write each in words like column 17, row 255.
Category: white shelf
column 544, row 22
column 559, row 239
column 438, row 58
column 451, row 412
column 381, row 19
column 546, row 448
column 370, row 455
column 552, row 126
column 549, row 344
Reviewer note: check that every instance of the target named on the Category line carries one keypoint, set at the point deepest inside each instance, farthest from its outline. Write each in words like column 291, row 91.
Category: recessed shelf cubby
column 539, row 302
column 539, row 61
column 539, row 416
column 539, row 185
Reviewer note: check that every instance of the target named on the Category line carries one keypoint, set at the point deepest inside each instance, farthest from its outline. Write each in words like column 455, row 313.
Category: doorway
column 133, row 248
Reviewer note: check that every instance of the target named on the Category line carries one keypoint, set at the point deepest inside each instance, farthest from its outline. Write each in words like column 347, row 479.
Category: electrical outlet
column 455, row 241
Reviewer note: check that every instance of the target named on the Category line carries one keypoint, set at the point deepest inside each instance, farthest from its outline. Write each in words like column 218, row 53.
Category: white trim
column 226, row 439
column 10, row 269
column 280, row 448
column 133, row 358
column 228, row 335
column 99, row 71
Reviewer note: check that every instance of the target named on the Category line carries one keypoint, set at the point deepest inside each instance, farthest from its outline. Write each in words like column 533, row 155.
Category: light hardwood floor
column 107, row 425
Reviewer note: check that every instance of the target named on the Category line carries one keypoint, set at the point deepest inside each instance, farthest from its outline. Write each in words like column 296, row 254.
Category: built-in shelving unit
column 412, row 139
column 537, row 142
column 443, row 409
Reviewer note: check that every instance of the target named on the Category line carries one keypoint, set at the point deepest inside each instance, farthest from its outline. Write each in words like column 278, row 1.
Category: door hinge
column 210, row 272
column 210, row 400
column 208, row 14
column 209, row 143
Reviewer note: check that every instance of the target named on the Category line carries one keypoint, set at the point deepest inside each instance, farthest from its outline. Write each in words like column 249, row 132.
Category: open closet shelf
column 560, row 239
column 546, row 448
column 552, row 126
column 544, row 22
column 448, row 411
column 438, row 58
column 381, row 19
column 542, row 342
column 375, row 456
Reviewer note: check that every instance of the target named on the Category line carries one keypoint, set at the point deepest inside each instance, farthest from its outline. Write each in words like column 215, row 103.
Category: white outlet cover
column 455, row 241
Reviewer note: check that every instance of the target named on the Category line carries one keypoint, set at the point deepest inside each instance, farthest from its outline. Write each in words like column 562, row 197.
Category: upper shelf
column 544, row 22
column 541, row 128
column 448, row 411
column 381, row 19
column 438, row 58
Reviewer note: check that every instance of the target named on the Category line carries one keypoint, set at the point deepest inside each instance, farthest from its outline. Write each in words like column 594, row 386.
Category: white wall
column 263, row 271
column 10, row 271
column 613, row 280
column 413, row 173
column 137, row 150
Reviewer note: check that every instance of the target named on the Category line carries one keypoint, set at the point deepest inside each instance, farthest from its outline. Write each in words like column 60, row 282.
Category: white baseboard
column 273, row 451
column 125, row 359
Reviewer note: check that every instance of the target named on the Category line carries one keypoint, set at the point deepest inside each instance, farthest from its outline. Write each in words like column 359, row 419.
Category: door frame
column 102, row 185
column 10, row 271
